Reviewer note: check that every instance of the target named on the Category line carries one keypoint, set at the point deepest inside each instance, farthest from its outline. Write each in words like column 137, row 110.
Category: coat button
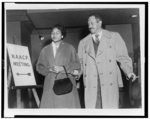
column 101, row 73
column 111, row 84
column 98, row 62
column 110, row 73
column 85, row 76
column 110, row 60
column 110, row 46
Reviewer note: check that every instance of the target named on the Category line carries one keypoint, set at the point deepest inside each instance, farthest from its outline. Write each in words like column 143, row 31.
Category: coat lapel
column 103, row 41
column 59, row 50
column 91, row 51
column 101, row 46
column 51, row 55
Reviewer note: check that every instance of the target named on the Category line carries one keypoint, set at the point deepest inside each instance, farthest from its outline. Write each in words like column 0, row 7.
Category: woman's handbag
column 62, row 86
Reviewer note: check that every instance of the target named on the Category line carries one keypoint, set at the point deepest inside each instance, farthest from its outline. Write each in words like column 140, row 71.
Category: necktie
column 97, row 39
column 96, row 43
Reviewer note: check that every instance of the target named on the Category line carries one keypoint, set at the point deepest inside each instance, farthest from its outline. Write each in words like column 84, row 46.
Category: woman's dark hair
column 61, row 28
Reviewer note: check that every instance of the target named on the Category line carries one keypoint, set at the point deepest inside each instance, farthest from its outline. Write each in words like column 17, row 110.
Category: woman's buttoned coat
column 111, row 49
column 65, row 56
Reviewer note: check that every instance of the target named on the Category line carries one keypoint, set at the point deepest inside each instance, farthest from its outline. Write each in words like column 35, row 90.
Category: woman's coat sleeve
column 42, row 64
column 74, row 61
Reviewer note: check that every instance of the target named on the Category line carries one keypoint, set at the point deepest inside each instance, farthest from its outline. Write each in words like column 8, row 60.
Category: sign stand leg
column 9, row 76
column 36, row 97
column 18, row 94
column 30, row 97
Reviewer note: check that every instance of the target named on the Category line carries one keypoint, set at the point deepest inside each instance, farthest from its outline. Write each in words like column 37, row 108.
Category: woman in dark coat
column 50, row 62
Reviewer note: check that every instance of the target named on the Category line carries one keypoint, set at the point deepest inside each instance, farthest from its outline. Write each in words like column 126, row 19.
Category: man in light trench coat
column 99, row 53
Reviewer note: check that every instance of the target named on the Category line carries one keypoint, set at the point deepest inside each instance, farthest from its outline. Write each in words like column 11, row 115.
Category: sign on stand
column 21, row 65
column 22, row 69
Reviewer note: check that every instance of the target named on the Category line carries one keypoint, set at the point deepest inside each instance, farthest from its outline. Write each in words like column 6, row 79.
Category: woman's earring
column 61, row 36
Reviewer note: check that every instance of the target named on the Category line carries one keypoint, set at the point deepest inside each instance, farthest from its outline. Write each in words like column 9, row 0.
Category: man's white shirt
column 99, row 37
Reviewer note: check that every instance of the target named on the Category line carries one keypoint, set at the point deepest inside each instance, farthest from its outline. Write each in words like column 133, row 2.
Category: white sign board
column 21, row 65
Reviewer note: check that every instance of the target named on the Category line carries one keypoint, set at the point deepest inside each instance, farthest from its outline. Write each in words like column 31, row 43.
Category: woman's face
column 56, row 35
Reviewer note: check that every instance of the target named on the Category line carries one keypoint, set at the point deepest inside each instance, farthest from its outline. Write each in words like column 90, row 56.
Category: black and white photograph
column 75, row 59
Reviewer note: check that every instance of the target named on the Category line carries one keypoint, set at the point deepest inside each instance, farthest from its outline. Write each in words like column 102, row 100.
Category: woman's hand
column 58, row 69
column 51, row 69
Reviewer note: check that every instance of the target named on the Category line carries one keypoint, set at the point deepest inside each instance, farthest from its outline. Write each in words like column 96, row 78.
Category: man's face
column 94, row 25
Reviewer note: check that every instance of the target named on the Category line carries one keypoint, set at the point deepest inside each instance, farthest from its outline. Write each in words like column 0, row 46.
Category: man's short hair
column 97, row 16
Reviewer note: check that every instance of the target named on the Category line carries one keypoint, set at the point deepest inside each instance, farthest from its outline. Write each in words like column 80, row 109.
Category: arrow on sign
column 29, row 74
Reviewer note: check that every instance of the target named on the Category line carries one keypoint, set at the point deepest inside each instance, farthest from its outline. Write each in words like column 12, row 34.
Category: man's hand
column 133, row 76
